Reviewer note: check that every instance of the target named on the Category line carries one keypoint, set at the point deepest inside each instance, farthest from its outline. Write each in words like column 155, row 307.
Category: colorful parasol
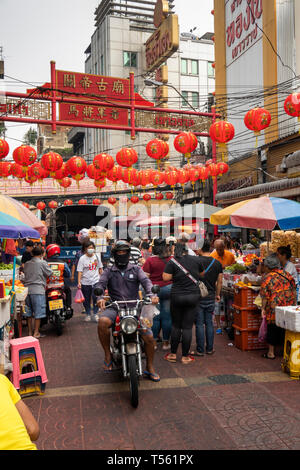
column 14, row 228
column 260, row 213
column 15, row 209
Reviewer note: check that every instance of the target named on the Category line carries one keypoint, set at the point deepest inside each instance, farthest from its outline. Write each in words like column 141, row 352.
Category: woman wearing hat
column 154, row 268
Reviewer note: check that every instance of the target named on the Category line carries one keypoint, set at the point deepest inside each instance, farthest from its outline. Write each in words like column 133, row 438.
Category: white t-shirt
column 291, row 269
column 89, row 267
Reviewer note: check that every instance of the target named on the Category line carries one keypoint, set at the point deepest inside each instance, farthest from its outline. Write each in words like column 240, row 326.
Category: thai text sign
column 242, row 18
column 98, row 114
column 163, row 43
column 111, row 88
column 173, row 121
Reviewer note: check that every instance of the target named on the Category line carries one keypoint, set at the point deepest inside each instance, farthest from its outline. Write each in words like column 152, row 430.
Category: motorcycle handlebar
column 137, row 302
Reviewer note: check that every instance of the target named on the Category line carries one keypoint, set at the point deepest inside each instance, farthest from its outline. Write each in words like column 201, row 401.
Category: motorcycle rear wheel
column 134, row 381
column 58, row 325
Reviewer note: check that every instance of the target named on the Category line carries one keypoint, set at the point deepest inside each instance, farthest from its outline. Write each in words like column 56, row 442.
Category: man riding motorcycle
column 53, row 253
column 122, row 281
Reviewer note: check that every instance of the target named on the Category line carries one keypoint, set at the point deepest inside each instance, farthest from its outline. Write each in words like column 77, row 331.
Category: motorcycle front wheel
column 134, row 381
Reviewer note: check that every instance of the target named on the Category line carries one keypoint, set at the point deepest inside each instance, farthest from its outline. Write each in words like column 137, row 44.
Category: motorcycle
column 57, row 311
column 127, row 345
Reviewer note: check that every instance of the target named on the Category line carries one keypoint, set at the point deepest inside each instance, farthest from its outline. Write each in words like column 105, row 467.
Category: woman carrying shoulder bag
column 184, row 271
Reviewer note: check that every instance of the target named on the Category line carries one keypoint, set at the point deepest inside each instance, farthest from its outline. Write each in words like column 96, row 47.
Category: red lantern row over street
column 68, row 202
column 186, row 143
column 127, row 157
column 4, row 148
column 103, row 162
column 24, row 156
column 41, row 206
column 51, row 162
column 53, row 204
column 82, row 202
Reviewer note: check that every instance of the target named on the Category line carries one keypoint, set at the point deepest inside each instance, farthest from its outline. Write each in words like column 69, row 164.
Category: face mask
column 90, row 251
column 122, row 260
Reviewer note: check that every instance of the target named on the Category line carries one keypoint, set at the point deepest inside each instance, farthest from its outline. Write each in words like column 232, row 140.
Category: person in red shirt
column 154, row 268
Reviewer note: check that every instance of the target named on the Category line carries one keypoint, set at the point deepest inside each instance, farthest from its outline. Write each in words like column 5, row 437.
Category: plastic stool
column 20, row 344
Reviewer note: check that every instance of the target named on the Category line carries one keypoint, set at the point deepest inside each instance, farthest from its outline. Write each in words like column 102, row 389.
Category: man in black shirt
column 213, row 280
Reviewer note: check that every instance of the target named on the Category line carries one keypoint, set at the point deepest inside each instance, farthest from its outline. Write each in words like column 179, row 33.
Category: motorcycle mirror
column 98, row 291
column 155, row 289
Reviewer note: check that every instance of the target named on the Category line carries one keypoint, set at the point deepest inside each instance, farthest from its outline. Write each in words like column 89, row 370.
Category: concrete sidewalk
column 231, row 400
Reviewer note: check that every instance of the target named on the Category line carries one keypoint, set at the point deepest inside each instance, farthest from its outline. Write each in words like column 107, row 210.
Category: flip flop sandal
column 196, row 353
column 166, row 357
column 265, row 356
column 150, row 376
column 191, row 359
column 108, row 365
column 210, row 353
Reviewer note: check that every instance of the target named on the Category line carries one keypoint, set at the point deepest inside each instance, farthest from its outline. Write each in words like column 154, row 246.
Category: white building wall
column 110, row 40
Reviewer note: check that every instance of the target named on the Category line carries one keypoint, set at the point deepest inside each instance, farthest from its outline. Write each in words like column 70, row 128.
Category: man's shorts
column 35, row 306
column 218, row 308
column 112, row 314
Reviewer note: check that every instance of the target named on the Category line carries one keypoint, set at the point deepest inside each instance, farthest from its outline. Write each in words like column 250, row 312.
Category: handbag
column 202, row 287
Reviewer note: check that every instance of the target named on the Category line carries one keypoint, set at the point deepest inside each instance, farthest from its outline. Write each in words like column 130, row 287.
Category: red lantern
column 5, row 169
column 24, row 156
column 96, row 202
column 194, row 174
column 209, row 162
column 126, row 157
column 30, row 179
column 147, row 197
column 223, row 168
column 159, row 196
column 94, row 173
column 77, row 167
column 221, row 132
column 114, row 174
column 157, row 178
column 25, row 204
column 257, row 119
column 4, row 148
column 82, row 202
column 134, row 199
column 53, row 204
column 103, row 162
column 204, row 173
column 18, row 171
column 68, row 202
column 157, row 149
column 292, row 105
column 41, row 206
column 51, row 162
column 145, row 177
column 213, row 170
column 63, row 172
column 65, row 183
column 186, row 143
column 112, row 200
column 171, row 177
column 130, row 176
column 100, row 184
column 169, row 195
column 37, row 171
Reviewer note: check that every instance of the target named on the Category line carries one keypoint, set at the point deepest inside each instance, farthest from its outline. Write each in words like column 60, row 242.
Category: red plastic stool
column 18, row 345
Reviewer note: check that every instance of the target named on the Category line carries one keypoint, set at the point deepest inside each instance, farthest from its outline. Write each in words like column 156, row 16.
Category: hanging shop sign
column 29, row 108
column 173, row 121
column 242, row 20
column 163, row 43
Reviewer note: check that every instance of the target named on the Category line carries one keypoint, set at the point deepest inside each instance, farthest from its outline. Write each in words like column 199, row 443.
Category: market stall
column 12, row 292
column 260, row 213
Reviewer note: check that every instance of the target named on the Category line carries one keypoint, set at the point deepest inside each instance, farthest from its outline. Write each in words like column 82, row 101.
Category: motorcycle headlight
column 129, row 325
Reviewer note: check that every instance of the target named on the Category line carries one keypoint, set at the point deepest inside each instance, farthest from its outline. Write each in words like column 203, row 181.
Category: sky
column 34, row 32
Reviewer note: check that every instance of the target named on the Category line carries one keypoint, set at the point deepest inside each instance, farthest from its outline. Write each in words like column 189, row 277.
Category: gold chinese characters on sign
column 26, row 108
column 161, row 12
column 172, row 121
column 163, row 43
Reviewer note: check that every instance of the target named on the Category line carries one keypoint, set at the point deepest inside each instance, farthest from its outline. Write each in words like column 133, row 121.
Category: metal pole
column 132, row 105
column 53, row 96
column 214, row 158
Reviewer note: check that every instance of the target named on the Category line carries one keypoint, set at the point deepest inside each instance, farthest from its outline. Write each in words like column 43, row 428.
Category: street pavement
column 230, row 400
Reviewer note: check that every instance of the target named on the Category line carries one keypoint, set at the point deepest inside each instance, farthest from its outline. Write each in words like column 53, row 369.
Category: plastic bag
column 262, row 334
column 79, row 298
column 147, row 314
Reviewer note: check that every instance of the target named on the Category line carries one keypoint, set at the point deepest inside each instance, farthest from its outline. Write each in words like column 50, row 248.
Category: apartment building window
column 184, row 66
column 195, row 99
column 130, row 59
column 185, row 95
column 210, row 70
column 194, row 67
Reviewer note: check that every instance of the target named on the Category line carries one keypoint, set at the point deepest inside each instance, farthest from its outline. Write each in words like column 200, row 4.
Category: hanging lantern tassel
column 183, row 186
column 188, row 156
column 256, row 135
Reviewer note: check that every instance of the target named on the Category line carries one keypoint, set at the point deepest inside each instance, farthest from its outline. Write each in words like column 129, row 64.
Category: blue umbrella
column 14, row 228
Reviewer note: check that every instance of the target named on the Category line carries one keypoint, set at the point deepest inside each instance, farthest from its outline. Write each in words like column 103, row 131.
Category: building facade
column 257, row 64
column 117, row 48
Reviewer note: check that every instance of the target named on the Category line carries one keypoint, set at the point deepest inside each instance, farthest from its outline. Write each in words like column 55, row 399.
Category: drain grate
column 229, row 379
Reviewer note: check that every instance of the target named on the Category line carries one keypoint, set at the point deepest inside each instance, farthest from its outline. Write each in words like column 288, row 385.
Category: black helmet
column 121, row 260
